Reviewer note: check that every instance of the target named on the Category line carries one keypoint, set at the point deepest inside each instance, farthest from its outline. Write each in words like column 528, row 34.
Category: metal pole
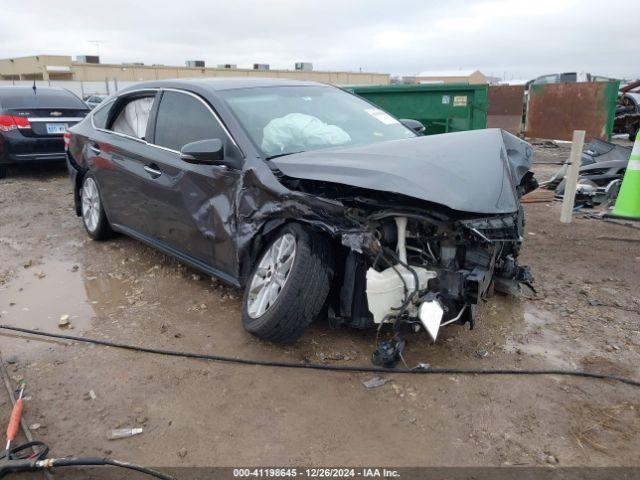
column 571, row 180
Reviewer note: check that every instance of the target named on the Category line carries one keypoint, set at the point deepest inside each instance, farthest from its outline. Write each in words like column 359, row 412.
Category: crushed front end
column 427, row 226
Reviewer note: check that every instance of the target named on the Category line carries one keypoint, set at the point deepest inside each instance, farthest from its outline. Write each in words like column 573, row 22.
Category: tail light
column 67, row 139
column 11, row 122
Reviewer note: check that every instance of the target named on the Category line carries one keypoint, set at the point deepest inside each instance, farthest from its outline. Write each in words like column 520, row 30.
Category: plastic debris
column 125, row 432
column 375, row 382
column 482, row 353
column 422, row 366
column 64, row 321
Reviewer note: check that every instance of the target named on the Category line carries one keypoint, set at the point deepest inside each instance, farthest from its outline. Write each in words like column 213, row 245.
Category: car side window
column 183, row 119
column 101, row 114
column 133, row 117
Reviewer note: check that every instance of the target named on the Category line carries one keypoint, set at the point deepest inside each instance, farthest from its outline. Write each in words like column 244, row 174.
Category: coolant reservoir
column 385, row 290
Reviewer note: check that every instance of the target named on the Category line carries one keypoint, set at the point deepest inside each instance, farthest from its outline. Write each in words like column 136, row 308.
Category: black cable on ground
column 19, row 465
column 337, row 368
column 97, row 461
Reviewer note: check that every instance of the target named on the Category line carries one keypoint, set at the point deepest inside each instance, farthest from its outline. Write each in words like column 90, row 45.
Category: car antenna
column 34, row 85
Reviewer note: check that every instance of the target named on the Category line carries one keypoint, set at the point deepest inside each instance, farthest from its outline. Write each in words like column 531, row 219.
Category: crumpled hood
column 475, row 171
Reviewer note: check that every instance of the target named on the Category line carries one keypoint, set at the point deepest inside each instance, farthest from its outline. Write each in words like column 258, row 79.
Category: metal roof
column 446, row 73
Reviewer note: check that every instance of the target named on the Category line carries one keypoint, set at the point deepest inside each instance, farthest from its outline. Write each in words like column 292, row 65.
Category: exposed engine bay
column 429, row 273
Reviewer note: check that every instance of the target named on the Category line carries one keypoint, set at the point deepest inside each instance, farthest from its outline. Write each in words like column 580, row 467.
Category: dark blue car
column 33, row 122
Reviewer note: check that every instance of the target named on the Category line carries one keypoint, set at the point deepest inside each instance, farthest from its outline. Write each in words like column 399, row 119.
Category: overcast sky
column 519, row 39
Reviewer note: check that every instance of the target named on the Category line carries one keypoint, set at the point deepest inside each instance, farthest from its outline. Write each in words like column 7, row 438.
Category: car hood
column 475, row 171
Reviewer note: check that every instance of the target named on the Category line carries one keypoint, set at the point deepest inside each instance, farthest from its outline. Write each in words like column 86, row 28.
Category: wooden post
column 571, row 180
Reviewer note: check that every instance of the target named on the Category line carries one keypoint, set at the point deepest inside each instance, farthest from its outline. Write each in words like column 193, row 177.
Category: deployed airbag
column 134, row 117
column 297, row 132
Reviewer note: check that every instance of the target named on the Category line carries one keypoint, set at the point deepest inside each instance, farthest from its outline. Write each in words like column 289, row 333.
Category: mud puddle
column 41, row 294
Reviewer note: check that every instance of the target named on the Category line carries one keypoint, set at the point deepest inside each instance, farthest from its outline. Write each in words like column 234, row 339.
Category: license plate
column 56, row 128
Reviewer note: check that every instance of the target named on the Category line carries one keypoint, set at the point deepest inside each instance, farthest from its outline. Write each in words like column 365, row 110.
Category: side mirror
column 203, row 151
column 414, row 125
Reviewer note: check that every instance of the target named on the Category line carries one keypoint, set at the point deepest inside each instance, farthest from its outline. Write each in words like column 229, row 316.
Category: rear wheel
column 4, row 171
column 633, row 132
column 93, row 215
column 288, row 285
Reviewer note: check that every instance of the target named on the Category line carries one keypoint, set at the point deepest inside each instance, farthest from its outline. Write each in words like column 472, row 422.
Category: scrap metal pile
column 627, row 118
column 603, row 165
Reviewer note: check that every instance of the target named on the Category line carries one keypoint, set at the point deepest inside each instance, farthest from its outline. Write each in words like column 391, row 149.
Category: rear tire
column 4, row 171
column 293, row 296
column 94, row 218
column 633, row 132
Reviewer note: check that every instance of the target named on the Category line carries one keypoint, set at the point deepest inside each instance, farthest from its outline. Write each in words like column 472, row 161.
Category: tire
column 296, row 301
column 633, row 132
column 94, row 218
column 4, row 171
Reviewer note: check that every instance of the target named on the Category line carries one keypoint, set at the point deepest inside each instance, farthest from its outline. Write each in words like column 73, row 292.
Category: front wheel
column 288, row 285
column 93, row 216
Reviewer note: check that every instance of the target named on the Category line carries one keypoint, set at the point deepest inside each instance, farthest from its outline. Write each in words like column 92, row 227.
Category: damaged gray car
column 314, row 200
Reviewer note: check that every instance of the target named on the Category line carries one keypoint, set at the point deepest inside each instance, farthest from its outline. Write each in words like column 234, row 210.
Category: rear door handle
column 152, row 170
column 94, row 148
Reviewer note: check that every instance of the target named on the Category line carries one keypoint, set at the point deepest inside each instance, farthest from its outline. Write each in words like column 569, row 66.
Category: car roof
column 8, row 91
column 224, row 83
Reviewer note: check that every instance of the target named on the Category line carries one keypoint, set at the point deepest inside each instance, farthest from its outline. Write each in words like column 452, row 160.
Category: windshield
column 283, row 120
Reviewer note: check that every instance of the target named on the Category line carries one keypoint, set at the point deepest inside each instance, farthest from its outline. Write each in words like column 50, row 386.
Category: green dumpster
column 440, row 107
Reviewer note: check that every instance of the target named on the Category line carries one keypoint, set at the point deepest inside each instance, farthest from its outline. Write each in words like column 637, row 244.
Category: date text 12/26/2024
column 364, row 472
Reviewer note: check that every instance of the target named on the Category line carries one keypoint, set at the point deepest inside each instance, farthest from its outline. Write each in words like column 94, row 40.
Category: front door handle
column 152, row 170
column 94, row 148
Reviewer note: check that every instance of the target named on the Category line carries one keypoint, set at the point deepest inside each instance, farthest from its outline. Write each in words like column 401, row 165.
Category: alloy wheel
column 90, row 204
column 271, row 275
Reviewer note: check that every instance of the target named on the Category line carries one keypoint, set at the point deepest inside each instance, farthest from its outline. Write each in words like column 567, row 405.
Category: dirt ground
column 198, row 413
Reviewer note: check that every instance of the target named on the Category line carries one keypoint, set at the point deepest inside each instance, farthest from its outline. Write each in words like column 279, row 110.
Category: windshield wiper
column 283, row 154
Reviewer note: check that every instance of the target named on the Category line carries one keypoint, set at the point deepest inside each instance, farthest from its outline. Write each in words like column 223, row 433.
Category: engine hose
column 335, row 368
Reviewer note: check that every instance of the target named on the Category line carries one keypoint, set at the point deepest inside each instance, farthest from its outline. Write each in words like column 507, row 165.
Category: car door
column 120, row 157
column 191, row 207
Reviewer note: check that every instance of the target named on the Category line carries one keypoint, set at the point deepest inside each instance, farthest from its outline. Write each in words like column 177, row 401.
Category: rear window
column 41, row 99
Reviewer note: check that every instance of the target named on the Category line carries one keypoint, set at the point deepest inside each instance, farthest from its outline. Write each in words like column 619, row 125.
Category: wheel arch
column 79, row 177
column 258, row 242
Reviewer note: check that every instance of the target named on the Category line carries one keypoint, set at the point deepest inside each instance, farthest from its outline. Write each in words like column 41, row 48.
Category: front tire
column 93, row 216
column 4, row 171
column 288, row 286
